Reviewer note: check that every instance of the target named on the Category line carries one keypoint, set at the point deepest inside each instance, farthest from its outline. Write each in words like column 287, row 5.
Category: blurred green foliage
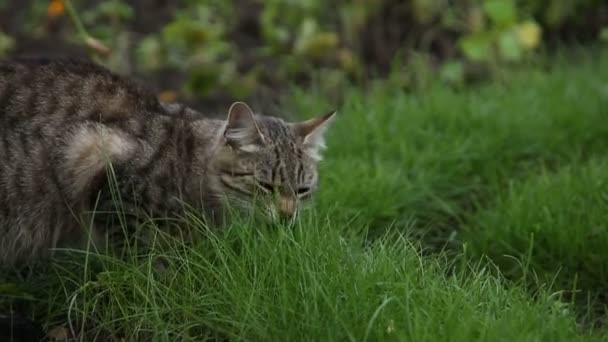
column 7, row 43
column 236, row 46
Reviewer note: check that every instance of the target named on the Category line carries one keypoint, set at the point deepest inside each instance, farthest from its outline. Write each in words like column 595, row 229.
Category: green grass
column 511, row 168
column 436, row 155
column 555, row 221
column 314, row 282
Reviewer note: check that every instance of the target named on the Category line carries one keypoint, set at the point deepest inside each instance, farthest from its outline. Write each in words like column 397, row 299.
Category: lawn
column 444, row 214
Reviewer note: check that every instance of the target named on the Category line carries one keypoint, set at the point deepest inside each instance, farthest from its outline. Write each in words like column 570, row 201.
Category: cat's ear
column 241, row 129
column 312, row 132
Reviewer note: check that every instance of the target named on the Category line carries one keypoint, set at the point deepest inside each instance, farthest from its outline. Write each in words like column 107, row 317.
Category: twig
column 89, row 40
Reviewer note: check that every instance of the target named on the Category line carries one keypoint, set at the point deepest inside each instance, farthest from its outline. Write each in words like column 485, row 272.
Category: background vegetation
column 463, row 197
column 214, row 50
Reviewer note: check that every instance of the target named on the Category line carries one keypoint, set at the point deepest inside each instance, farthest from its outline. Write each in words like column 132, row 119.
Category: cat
column 72, row 131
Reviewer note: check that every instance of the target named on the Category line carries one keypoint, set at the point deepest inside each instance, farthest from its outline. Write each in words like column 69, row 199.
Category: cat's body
column 64, row 124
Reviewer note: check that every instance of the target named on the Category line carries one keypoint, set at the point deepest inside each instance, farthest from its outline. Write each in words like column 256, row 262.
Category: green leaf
column 188, row 31
column 477, row 46
column 425, row 10
column 555, row 13
column 13, row 290
column 116, row 9
column 7, row 43
column 314, row 43
column 452, row 72
column 202, row 80
column 150, row 53
column 509, row 47
column 604, row 34
column 501, row 12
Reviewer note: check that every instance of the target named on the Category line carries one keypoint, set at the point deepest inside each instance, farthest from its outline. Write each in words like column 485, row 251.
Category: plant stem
column 89, row 40
column 75, row 19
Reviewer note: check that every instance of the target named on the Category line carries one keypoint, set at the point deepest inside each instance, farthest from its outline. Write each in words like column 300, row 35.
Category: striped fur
column 65, row 124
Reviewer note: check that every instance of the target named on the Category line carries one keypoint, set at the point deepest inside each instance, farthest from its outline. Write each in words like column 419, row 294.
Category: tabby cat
column 65, row 126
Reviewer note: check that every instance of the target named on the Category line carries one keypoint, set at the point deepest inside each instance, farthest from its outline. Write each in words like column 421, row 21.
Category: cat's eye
column 267, row 186
column 303, row 190
column 236, row 173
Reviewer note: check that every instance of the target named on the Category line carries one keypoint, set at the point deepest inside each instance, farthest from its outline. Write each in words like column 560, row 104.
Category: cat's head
column 269, row 161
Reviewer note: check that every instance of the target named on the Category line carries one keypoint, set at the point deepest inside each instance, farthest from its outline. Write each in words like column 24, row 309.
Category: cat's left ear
column 312, row 132
column 241, row 128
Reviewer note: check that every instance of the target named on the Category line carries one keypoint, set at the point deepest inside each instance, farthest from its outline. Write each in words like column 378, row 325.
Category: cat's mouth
column 272, row 211
column 277, row 208
column 276, row 215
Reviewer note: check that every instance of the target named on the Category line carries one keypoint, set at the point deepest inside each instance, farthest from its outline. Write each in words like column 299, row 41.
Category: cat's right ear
column 241, row 130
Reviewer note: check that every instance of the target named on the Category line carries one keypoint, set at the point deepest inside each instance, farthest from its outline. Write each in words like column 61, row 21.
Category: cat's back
column 61, row 122
column 65, row 90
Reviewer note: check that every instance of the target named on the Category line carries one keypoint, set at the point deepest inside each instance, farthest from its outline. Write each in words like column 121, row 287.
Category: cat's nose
column 287, row 207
